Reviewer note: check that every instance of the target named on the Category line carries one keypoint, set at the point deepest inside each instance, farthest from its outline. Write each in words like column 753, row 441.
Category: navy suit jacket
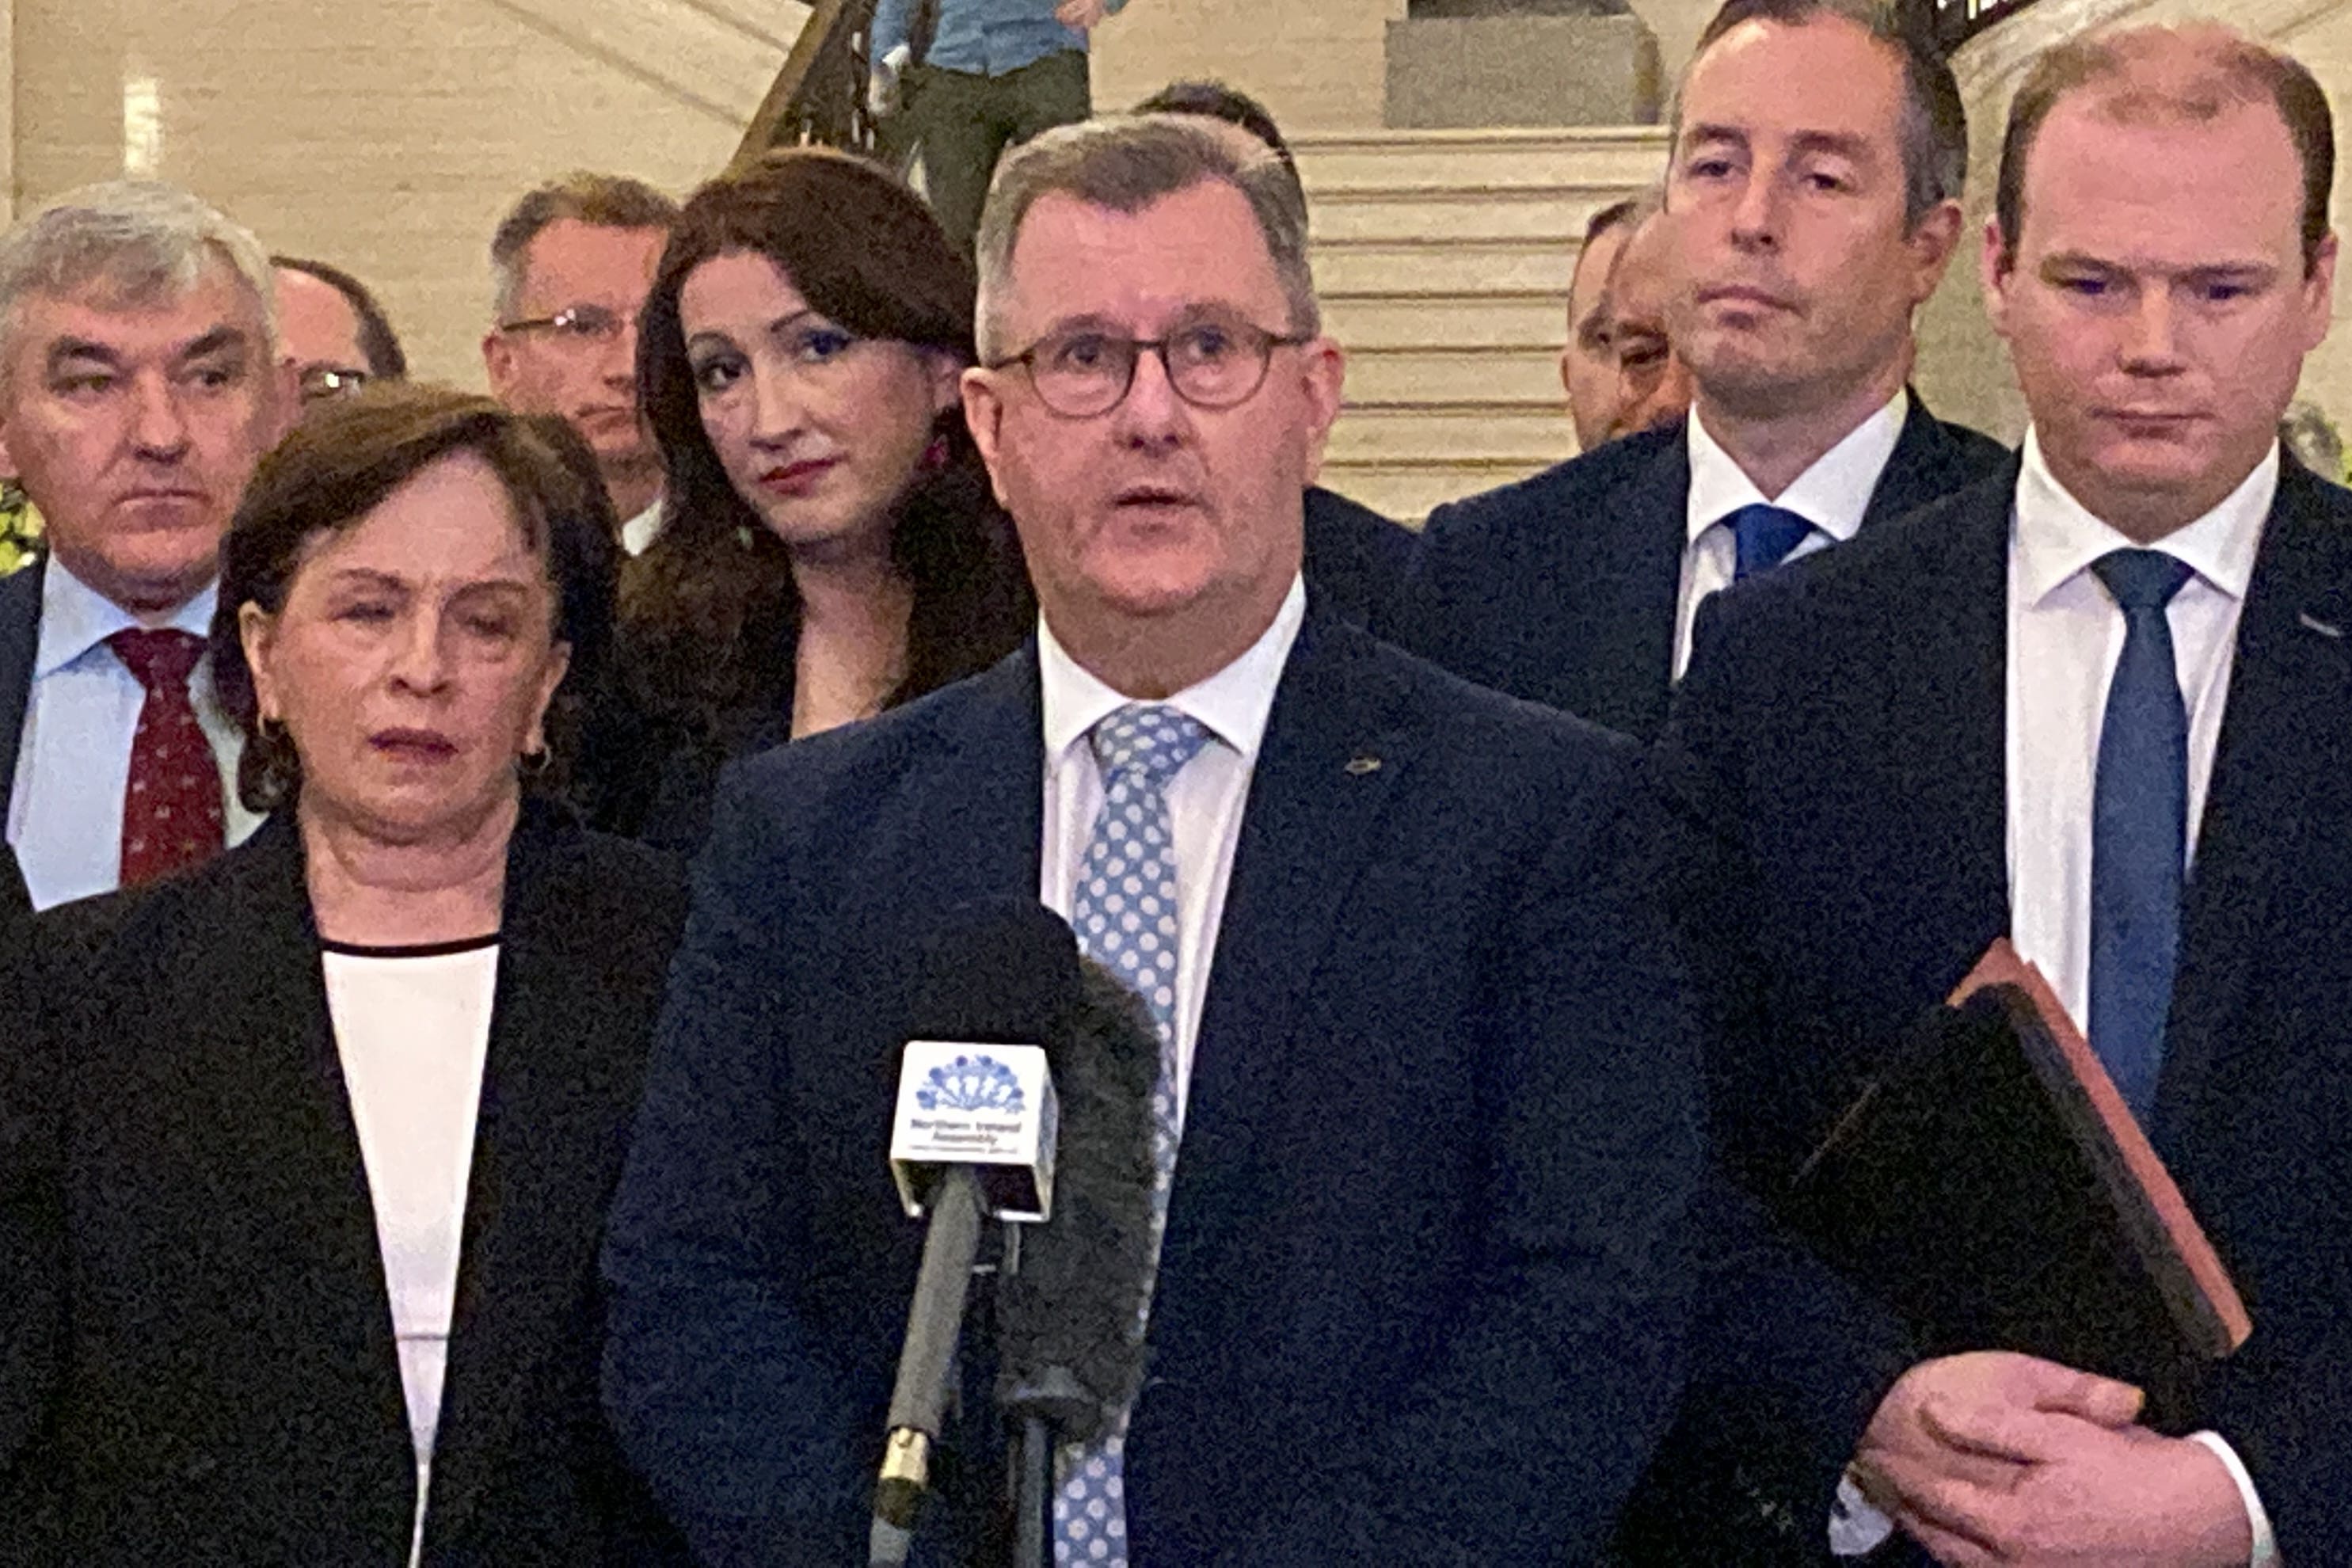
column 1839, row 750
column 20, row 637
column 1422, row 1293
column 1561, row 588
column 1357, row 563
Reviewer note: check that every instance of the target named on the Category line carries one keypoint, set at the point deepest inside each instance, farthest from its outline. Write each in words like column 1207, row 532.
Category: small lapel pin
column 2323, row 628
column 1359, row 766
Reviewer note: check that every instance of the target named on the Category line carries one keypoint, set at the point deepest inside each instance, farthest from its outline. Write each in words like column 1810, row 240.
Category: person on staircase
column 1812, row 207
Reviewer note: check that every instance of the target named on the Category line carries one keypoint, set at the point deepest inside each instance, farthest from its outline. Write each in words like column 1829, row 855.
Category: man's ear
column 1933, row 240
column 2319, row 297
column 498, row 361
column 1324, row 374
column 1996, row 262
column 983, row 415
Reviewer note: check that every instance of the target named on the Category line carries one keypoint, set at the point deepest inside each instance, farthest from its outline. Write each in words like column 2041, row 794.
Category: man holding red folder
column 2100, row 704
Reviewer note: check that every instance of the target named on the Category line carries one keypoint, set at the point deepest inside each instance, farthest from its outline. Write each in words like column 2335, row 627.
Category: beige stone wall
column 1318, row 63
column 387, row 135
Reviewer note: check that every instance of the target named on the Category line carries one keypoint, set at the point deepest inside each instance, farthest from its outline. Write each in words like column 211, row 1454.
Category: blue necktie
column 2139, row 829
column 1124, row 910
column 1766, row 534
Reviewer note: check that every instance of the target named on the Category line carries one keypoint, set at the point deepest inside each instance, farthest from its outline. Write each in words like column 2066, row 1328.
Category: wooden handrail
column 823, row 58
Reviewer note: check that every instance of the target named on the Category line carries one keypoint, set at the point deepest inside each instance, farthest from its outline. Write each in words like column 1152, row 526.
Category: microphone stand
column 1033, row 1495
column 1030, row 1483
column 918, row 1403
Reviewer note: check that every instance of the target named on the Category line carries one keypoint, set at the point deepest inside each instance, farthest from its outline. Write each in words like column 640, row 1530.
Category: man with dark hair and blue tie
column 2100, row 704
column 1427, row 1119
column 1811, row 205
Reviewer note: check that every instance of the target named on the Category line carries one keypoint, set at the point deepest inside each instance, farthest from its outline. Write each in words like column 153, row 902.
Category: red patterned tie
column 171, row 810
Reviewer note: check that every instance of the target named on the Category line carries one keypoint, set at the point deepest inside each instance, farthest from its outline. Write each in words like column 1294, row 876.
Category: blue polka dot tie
column 1124, row 910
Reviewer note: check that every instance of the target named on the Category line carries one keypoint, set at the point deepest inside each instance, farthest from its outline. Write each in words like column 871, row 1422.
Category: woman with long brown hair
column 831, row 547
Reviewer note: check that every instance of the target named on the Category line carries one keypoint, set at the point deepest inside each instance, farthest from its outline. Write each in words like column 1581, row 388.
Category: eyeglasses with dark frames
column 578, row 324
column 1212, row 363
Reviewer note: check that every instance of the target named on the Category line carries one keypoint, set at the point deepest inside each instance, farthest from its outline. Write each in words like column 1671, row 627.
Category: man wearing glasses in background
column 332, row 332
column 574, row 259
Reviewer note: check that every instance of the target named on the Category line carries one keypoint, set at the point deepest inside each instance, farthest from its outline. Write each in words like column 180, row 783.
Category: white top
column 73, row 764
column 413, row 1030
column 1204, row 799
column 1832, row 495
column 2065, row 635
column 643, row 529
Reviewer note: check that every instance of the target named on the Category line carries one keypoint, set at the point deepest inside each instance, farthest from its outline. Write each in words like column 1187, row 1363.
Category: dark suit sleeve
column 721, row 1399
column 1524, row 1437
column 1434, row 615
column 1789, row 1361
column 32, row 1244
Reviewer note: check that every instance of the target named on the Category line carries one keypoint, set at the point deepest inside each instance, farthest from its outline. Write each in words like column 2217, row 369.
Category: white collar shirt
column 1205, row 799
column 1832, row 495
column 2065, row 635
column 73, row 760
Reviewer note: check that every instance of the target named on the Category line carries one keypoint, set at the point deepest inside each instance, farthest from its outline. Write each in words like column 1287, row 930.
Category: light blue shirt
column 982, row 38
column 73, row 764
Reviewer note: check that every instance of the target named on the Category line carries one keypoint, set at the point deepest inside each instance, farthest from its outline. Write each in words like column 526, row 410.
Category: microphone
column 1070, row 1348
column 975, row 1132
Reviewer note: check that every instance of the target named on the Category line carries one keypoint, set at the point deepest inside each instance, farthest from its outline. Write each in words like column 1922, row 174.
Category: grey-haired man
column 139, row 386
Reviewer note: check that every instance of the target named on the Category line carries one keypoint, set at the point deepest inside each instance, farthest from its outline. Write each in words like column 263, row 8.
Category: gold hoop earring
column 270, row 728
column 534, row 762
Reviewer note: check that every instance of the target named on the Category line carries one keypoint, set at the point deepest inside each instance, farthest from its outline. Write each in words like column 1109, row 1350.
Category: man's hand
column 1081, row 15
column 2003, row 1459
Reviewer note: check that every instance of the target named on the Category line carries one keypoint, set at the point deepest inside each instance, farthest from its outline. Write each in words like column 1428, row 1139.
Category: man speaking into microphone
column 1427, row 1123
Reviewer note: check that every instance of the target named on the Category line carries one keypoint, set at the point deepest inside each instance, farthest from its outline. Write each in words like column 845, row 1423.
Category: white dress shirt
column 1832, row 495
column 413, row 1031
column 73, row 762
column 2066, row 636
column 1204, row 799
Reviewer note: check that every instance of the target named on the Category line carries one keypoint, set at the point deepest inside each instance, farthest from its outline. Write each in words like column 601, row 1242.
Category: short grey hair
column 144, row 242
column 600, row 201
column 1126, row 163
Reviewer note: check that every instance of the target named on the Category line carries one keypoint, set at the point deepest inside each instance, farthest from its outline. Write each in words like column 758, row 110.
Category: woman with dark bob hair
column 830, row 547
column 303, row 1251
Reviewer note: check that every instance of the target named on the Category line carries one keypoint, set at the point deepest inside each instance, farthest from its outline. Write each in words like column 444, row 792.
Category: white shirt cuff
column 2267, row 1552
column 1856, row 1529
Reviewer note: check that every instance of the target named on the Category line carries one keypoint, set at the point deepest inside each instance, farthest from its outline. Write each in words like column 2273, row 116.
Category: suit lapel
column 551, row 1102
column 2288, row 708
column 1945, row 673
column 20, row 637
column 984, row 822
column 1639, row 583
column 287, row 1108
column 1919, row 472
column 1327, row 772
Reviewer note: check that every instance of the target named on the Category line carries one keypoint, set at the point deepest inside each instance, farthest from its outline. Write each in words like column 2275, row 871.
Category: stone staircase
column 1442, row 257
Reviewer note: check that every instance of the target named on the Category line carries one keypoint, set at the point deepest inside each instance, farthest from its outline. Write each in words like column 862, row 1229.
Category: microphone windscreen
column 1000, row 972
column 1069, row 1320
